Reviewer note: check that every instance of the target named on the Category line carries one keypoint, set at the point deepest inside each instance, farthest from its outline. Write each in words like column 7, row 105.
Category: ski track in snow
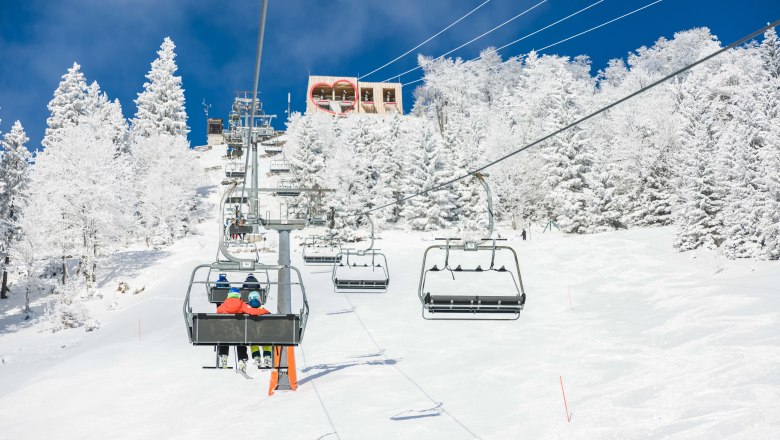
column 655, row 345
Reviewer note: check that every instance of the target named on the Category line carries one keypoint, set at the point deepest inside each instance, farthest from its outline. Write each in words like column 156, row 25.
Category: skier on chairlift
column 235, row 306
column 264, row 358
column 222, row 282
column 251, row 282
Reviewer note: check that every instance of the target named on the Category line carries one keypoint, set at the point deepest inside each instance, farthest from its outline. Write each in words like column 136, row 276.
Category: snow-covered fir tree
column 161, row 104
column 164, row 176
column 81, row 217
column 306, row 155
column 14, row 179
column 427, row 167
column 70, row 102
column 698, row 213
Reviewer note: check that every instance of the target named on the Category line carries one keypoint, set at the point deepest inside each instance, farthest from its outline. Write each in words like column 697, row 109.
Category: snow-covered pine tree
column 392, row 172
column 161, row 104
column 307, row 158
column 427, row 167
column 560, row 97
column 14, row 178
column 768, row 95
column 740, row 144
column 70, row 102
column 84, row 215
column 698, row 213
column 110, row 112
column 165, row 178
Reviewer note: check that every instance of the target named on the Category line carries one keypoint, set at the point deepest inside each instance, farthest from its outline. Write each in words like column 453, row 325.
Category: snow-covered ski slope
column 655, row 344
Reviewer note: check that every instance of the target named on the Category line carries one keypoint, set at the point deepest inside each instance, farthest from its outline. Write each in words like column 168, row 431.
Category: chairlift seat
column 512, row 304
column 341, row 284
column 321, row 259
column 355, row 275
column 225, row 329
column 237, row 199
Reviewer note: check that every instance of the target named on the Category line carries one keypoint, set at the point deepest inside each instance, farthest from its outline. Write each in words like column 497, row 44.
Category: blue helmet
column 234, row 293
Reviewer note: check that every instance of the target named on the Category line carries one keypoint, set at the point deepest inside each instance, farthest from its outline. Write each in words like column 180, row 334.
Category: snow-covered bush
column 68, row 310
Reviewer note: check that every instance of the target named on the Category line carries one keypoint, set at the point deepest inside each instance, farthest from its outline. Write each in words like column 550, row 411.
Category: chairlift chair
column 321, row 250
column 318, row 220
column 206, row 328
column 272, row 147
column 361, row 269
column 279, row 166
column 286, row 188
column 235, row 170
column 474, row 305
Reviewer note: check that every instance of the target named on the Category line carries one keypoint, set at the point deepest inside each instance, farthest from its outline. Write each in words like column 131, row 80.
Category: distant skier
column 234, row 305
column 522, row 234
column 263, row 359
column 239, row 229
column 251, row 283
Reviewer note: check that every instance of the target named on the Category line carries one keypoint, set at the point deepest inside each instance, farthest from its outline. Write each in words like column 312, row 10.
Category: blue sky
column 116, row 40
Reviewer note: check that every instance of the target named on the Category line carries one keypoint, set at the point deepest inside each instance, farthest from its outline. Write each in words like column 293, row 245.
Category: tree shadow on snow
column 12, row 316
column 332, row 368
column 127, row 264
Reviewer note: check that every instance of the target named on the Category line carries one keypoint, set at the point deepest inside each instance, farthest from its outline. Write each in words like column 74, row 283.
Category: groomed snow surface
column 654, row 344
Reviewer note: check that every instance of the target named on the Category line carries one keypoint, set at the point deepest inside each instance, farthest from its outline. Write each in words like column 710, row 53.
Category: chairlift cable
column 601, row 25
column 474, row 39
column 565, row 39
column 550, row 25
column 424, row 42
column 258, row 59
column 584, row 118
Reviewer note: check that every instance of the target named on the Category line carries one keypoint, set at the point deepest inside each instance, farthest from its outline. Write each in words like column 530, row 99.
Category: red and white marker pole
column 565, row 405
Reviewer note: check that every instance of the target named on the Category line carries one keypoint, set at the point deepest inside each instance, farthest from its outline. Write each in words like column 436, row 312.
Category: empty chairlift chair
column 279, row 166
column 286, row 188
column 272, row 147
column 321, row 250
column 235, row 170
column 475, row 288
column 361, row 269
column 481, row 298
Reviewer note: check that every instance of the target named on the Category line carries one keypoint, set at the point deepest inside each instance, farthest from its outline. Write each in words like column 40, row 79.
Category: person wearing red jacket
column 233, row 305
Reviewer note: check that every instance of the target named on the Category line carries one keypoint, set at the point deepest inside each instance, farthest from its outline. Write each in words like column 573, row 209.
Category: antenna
column 206, row 108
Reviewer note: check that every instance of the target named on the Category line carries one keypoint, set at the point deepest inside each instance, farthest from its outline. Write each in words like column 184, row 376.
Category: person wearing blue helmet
column 263, row 360
column 222, row 282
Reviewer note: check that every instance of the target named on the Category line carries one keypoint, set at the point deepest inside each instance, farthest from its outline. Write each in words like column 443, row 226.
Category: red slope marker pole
column 565, row 405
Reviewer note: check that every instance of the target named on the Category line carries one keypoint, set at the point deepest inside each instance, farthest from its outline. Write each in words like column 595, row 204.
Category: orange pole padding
column 291, row 372
column 275, row 371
